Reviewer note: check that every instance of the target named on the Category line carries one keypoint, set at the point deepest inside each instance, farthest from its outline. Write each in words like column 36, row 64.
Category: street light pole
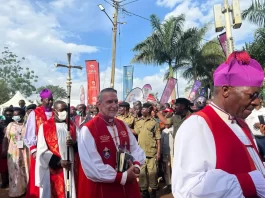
column 229, row 38
column 114, row 42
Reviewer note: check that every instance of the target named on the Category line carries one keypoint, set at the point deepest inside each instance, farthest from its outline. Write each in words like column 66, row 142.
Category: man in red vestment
column 51, row 161
column 98, row 143
column 35, row 119
column 215, row 154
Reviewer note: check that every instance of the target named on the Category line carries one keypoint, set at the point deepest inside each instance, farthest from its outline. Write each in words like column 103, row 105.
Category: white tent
column 14, row 101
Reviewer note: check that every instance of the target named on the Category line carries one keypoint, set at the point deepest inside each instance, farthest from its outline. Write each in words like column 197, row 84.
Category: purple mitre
column 45, row 93
column 238, row 74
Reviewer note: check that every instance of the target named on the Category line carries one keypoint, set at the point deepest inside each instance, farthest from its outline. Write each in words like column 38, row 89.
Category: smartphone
column 261, row 119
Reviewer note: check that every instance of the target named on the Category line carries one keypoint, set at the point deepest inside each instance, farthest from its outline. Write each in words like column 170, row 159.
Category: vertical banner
column 222, row 40
column 134, row 95
column 147, row 88
column 127, row 80
column 82, row 95
column 93, row 86
column 194, row 90
column 168, row 90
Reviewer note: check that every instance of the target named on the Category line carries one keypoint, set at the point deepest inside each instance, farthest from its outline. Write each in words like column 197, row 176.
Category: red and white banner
column 93, row 86
column 168, row 90
column 222, row 40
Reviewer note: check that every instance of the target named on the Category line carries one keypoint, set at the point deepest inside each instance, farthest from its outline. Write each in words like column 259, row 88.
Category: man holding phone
column 254, row 121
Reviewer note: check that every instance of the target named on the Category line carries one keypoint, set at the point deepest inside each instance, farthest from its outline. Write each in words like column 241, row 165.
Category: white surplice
column 194, row 173
column 42, row 172
column 30, row 138
column 92, row 163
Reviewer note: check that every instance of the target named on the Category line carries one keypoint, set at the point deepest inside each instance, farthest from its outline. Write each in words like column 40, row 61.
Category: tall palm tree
column 256, row 12
column 163, row 45
column 203, row 60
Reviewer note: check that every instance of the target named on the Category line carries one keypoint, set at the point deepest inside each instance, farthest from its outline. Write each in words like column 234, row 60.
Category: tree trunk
column 173, row 94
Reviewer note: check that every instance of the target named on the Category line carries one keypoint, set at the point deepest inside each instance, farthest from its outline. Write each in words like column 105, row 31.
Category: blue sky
column 44, row 31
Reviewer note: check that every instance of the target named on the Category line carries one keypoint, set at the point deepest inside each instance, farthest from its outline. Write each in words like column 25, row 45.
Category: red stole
column 56, row 176
column 107, row 150
column 231, row 155
column 40, row 117
column 33, row 191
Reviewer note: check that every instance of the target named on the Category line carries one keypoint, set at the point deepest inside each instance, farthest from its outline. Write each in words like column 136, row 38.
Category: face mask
column 79, row 113
column 16, row 118
column 62, row 115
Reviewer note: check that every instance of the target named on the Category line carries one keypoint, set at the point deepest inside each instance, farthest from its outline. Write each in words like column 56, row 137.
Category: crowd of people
column 213, row 148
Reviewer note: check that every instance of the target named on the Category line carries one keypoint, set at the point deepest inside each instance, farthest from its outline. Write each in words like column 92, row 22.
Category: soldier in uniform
column 149, row 136
column 124, row 114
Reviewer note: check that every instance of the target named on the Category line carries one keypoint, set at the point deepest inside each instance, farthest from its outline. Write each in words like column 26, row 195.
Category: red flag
column 93, row 86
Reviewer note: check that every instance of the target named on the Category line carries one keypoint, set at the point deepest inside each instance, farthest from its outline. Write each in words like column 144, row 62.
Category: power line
column 129, row 2
column 109, row 3
column 130, row 13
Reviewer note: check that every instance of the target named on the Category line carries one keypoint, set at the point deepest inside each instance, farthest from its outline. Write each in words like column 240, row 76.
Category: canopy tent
column 14, row 101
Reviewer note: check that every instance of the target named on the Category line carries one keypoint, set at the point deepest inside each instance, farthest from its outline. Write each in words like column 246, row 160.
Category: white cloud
column 168, row 3
column 198, row 14
column 36, row 32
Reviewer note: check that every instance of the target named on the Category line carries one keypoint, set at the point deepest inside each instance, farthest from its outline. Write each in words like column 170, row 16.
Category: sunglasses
column 252, row 97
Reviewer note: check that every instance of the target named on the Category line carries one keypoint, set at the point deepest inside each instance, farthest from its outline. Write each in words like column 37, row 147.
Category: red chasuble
column 33, row 191
column 56, row 176
column 231, row 154
column 107, row 150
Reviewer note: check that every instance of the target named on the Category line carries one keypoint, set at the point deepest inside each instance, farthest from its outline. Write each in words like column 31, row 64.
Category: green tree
column 5, row 92
column 163, row 45
column 57, row 92
column 16, row 76
column 256, row 48
column 256, row 12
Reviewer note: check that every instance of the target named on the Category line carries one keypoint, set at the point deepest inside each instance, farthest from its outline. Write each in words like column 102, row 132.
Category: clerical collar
column 107, row 119
column 229, row 116
column 47, row 110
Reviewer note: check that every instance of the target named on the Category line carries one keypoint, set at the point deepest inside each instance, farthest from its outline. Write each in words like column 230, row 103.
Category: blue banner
column 127, row 80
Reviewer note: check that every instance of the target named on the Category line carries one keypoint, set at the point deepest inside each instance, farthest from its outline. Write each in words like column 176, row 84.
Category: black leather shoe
column 153, row 194
column 145, row 194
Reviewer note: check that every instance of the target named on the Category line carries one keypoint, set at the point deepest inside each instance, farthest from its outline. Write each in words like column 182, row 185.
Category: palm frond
column 256, row 12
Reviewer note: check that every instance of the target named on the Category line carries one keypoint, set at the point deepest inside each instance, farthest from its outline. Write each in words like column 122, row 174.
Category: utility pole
column 114, row 42
column 229, row 38
column 228, row 11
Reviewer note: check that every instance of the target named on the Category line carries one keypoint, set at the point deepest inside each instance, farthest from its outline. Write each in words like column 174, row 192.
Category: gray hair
column 105, row 91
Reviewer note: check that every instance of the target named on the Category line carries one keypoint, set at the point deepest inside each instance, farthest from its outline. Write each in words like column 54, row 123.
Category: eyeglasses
column 252, row 97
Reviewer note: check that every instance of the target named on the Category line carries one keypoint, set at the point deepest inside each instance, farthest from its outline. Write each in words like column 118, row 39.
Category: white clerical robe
column 42, row 172
column 30, row 138
column 194, row 173
column 92, row 163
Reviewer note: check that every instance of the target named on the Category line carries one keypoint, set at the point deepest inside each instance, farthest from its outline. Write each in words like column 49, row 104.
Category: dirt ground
column 4, row 192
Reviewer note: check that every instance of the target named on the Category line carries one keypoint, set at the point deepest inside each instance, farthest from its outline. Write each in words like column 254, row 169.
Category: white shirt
column 92, row 163
column 253, row 119
column 167, row 141
column 30, row 138
column 194, row 173
column 42, row 171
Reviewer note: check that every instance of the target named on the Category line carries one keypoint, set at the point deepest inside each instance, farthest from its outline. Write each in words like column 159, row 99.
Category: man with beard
column 35, row 119
column 8, row 114
column 98, row 143
column 215, row 154
column 51, row 160
column 182, row 111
